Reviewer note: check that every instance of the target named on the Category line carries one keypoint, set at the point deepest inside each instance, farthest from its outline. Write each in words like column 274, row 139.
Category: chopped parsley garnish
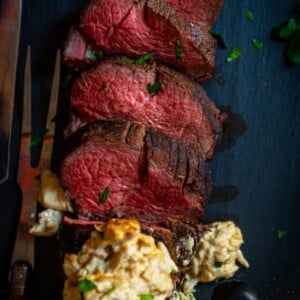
column 178, row 50
column 234, row 54
column 68, row 80
column 103, row 86
column 37, row 140
column 146, row 297
column 104, row 195
column 257, row 44
column 153, row 88
column 100, row 54
column 281, row 233
column 249, row 15
column 218, row 264
column 219, row 38
column 140, row 60
column 290, row 32
column 86, row 286
column 293, row 50
column 95, row 56
column 287, row 30
column 91, row 54
column 66, row 85
column 108, row 292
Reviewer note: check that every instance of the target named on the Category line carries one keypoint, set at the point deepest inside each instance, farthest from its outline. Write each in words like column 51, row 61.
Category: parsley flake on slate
column 281, row 233
column 37, row 140
column 293, row 50
column 146, row 297
column 153, row 88
column 104, row 195
column 287, row 30
column 220, row 39
column 140, row 60
column 234, row 54
column 290, row 32
column 86, row 286
column 249, row 15
column 178, row 50
column 218, row 264
column 257, row 44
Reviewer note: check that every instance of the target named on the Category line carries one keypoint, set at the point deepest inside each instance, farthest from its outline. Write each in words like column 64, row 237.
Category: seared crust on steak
column 115, row 89
column 150, row 176
column 181, row 238
column 134, row 28
column 201, row 12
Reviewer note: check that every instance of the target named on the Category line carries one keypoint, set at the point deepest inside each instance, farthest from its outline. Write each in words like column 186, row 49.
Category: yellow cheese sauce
column 120, row 263
column 218, row 253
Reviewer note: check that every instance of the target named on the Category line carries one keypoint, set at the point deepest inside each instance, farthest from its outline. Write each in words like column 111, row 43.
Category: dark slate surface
column 256, row 175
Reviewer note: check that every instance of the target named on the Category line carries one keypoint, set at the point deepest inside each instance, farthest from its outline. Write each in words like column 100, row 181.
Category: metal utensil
column 10, row 21
column 23, row 254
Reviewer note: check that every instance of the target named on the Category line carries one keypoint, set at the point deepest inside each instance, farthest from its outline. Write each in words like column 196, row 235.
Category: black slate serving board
column 256, row 173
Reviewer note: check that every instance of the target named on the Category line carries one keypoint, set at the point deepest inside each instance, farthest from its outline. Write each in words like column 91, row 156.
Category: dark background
column 256, row 175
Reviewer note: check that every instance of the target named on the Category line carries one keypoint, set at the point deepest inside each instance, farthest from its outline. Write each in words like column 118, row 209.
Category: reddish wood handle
column 19, row 280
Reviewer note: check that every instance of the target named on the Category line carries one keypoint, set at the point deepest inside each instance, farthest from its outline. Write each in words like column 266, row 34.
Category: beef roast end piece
column 180, row 238
column 79, row 50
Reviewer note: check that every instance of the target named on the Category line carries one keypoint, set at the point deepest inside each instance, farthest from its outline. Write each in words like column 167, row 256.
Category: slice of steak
column 201, row 12
column 114, row 89
column 146, row 175
column 134, row 28
column 179, row 237
column 79, row 50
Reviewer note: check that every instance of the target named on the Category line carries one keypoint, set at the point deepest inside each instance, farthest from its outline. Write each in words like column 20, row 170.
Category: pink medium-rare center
column 180, row 109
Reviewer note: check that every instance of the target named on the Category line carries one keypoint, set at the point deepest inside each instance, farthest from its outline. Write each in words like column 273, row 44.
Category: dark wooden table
column 256, row 175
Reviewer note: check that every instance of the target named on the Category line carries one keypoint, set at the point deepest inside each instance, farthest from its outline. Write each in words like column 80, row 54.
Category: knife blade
column 23, row 254
column 10, row 22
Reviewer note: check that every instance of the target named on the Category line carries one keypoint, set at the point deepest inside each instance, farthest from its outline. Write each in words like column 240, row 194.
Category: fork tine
column 26, row 123
column 46, row 153
column 50, row 125
column 25, row 151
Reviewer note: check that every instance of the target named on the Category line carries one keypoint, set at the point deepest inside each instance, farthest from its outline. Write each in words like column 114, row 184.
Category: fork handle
column 20, row 276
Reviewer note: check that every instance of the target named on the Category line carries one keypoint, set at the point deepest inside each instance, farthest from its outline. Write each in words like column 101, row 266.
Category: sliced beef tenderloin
column 134, row 28
column 114, row 89
column 149, row 176
column 79, row 50
column 201, row 12
column 180, row 238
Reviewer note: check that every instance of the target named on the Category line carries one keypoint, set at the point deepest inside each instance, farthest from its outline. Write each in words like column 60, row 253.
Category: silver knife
column 23, row 254
column 10, row 22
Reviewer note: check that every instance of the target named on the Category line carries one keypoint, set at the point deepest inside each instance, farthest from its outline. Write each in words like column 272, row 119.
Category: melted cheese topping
column 51, row 194
column 48, row 223
column 122, row 263
column 217, row 254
